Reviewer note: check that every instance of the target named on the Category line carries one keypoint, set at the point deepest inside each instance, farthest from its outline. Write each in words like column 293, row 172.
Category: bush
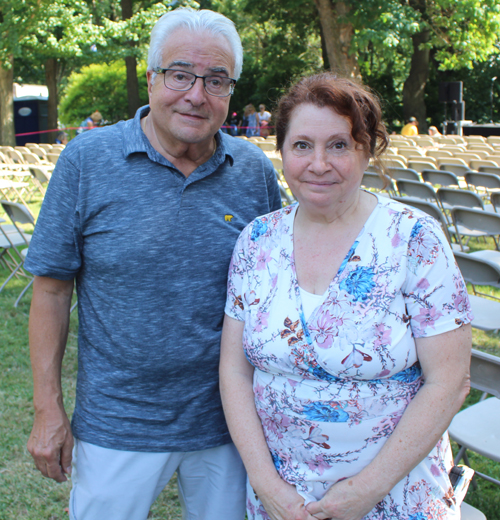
column 100, row 87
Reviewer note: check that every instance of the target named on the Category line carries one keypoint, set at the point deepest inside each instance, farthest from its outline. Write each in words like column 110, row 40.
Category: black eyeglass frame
column 159, row 70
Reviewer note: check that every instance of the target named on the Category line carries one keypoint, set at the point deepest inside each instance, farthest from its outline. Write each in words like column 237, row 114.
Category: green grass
column 25, row 494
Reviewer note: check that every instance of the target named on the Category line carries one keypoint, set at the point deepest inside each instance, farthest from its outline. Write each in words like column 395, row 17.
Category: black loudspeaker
column 458, row 111
column 450, row 91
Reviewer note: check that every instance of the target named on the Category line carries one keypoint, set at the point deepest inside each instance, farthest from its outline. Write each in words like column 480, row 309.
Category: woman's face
column 322, row 163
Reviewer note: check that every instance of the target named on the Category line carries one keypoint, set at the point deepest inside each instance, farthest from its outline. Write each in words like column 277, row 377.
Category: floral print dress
column 330, row 389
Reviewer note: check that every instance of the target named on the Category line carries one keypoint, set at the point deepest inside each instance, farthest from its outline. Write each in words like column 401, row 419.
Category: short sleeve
column 272, row 187
column 54, row 250
column 236, row 279
column 434, row 290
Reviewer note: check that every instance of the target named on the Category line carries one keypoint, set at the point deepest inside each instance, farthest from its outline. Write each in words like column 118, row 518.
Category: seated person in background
column 61, row 138
column 411, row 128
column 346, row 342
column 92, row 121
column 433, row 131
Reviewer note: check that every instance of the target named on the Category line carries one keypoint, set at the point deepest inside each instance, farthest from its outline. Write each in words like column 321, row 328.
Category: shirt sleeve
column 55, row 249
column 272, row 187
column 434, row 290
column 236, row 278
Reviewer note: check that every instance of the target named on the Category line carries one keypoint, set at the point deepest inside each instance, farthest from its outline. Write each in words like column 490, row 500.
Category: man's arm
column 51, row 440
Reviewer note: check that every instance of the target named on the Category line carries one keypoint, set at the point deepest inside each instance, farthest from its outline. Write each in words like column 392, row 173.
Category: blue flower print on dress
column 325, row 412
column 418, row 516
column 359, row 282
column 259, row 227
column 408, row 375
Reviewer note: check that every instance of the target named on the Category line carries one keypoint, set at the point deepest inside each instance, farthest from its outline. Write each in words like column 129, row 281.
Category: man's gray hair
column 194, row 21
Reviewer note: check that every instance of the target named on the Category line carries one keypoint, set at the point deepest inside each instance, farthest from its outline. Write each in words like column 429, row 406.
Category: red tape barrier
column 77, row 127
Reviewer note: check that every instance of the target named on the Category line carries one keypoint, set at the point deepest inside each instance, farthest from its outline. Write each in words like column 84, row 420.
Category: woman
column 346, row 343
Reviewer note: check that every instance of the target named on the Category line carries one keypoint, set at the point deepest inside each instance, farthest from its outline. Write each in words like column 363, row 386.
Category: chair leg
column 10, row 277
column 23, row 292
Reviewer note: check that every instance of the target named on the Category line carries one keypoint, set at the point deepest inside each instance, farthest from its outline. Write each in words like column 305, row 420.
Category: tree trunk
column 7, row 131
column 51, row 82
column 414, row 87
column 131, row 64
column 338, row 33
column 132, row 86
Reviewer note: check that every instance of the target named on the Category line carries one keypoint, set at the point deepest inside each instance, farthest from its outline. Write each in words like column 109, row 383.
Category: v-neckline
column 342, row 267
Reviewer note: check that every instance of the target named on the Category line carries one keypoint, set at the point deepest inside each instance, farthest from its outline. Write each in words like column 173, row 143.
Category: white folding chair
column 477, row 428
column 19, row 215
column 477, row 223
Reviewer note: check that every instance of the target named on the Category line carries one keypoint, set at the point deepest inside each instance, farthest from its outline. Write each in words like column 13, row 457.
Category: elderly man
column 144, row 215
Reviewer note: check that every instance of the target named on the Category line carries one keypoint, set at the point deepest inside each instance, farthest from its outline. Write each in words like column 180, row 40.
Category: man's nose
column 197, row 94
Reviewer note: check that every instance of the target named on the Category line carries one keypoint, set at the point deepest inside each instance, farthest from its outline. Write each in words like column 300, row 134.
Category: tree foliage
column 100, row 87
column 283, row 39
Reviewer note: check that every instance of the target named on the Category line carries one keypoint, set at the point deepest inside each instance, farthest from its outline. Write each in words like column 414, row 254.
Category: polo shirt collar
column 135, row 141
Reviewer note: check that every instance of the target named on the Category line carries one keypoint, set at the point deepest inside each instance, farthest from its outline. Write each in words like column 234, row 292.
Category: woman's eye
column 339, row 145
column 301, row 145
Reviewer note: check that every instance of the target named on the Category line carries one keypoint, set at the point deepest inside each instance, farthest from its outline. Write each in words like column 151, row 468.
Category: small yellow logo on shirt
column 228, row 218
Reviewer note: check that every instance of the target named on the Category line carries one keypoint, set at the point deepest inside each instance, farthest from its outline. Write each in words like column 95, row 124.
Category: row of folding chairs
column 483, row 183
column 14, row 243
column 455, row 164
column 440, row 140
column 477, row 428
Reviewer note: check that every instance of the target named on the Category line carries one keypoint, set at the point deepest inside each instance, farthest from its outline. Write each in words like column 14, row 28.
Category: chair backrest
column 46, row 147
column 441, row 177
column 495, row 170
column 410, row 151
column 268, row 147
column 451, row 160
column 53, row 157
column 467, row 157
column 495, row 158
column 17, row 213
column 427, row 207
column 40, row 174
column 485, row 372
column 394, row 161
column 476, row 219
column 453, row 148
column 438, row 153
column 31, row 158
column 403, row 173
column 477, row 146
column 419, row 190
column 478, row 271
column 457, row 169
column 483, row 180
column 277, row 163
column 495, row 201
column 38, row 151
column 423, row 140
column 376, row 182
column 16, row 156
column 475, row 164
column 464, row 198
column 426, row 163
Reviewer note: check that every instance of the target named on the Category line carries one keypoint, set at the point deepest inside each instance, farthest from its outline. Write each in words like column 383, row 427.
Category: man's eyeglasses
column 218, row 86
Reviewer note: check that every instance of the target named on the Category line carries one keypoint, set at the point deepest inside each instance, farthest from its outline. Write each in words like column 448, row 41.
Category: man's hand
column 51, row 444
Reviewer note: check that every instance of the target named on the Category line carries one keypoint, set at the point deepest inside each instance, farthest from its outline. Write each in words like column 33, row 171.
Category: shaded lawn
column 25, row 494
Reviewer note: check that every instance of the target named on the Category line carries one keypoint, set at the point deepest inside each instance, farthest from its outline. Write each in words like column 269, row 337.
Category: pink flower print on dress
column 427, row 317
column 261, row 321
column 325, row 329
column 263, row 258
